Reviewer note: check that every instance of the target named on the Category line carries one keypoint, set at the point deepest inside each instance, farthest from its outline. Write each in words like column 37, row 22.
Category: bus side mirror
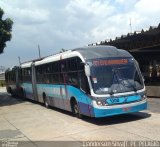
column 87, row 70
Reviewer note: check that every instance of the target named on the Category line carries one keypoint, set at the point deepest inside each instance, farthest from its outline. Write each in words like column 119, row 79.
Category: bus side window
column 63, row 65
column 79, row 64
column 72, row 64
column 73, row 79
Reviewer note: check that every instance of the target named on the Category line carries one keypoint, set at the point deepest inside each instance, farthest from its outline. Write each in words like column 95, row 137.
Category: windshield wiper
column 116, row 72
column 114, row 75
column 133, row 86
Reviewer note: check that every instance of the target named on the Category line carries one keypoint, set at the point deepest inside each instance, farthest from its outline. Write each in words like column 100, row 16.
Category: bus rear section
column 12, row 80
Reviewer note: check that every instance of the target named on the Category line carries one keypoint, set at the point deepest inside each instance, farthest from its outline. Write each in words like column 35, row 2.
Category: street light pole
column 39, row 51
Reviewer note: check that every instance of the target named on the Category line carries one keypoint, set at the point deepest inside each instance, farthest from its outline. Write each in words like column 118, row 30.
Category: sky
column 68, row 24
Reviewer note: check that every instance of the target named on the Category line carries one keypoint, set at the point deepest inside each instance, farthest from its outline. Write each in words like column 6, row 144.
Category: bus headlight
column 144, row 97
column 101, row 103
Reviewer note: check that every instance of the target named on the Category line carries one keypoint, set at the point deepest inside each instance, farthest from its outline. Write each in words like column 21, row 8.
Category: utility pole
column 39, row 51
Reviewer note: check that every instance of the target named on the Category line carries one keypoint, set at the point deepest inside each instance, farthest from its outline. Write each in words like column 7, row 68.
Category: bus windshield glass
column 110, row 76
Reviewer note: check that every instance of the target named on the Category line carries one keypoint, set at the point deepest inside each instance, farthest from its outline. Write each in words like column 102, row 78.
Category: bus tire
column 11, row 92
column 45, row 101
column 75, row 109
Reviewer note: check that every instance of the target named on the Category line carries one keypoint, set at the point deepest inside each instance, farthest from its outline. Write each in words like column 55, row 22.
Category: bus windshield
column 115, row 76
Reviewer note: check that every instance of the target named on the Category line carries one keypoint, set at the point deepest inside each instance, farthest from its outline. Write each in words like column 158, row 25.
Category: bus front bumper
column 104, row 111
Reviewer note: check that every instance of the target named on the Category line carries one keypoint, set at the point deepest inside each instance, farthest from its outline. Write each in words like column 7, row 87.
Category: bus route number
column 114, row 100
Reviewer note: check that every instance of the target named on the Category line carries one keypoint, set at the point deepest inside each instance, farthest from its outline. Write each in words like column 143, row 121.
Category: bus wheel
column 45, row 101
column 76, row 110
column 11, row 92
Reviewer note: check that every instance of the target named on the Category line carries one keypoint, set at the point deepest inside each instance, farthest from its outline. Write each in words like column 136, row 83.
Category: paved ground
column 27, row 121
column 154, row 104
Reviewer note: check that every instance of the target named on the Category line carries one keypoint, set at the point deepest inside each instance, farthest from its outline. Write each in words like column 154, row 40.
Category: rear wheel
column 11, row 92
column 45, row 101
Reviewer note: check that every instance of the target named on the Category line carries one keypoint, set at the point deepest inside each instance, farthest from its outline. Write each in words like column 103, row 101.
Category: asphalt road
column 31, row 122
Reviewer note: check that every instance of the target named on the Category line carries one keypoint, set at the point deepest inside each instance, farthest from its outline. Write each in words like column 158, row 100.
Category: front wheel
column 76, row 110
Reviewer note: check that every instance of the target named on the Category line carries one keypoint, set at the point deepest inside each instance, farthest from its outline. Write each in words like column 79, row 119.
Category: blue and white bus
column 96, row 81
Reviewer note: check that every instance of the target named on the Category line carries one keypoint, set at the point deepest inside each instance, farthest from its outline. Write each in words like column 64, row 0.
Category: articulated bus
column 97, row 81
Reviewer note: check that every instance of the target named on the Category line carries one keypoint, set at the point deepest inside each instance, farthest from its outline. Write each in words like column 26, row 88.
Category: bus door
column 63, row 92
column 34, row 85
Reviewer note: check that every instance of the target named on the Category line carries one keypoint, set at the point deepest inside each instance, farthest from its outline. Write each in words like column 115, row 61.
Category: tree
column 5, row 30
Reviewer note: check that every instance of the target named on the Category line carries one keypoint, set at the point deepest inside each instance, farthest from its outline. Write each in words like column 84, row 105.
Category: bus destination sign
column 109, row 62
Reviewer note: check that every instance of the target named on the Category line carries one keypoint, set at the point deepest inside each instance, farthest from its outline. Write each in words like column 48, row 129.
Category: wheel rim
column 76, row 110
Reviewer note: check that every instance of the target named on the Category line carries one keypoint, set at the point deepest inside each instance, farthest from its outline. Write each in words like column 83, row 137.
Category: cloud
column 147, row 7
column 25, row 15
column 71, row 23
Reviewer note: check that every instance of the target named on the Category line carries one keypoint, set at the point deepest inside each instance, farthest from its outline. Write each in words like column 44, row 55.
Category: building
column 2, row 79
column 144, row 45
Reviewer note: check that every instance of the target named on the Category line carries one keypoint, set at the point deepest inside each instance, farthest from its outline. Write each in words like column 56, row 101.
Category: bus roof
column 85, row 53
column 92, row 52
column 26, row 64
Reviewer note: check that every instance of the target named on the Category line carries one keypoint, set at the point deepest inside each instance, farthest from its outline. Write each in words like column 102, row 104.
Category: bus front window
column 118, row 78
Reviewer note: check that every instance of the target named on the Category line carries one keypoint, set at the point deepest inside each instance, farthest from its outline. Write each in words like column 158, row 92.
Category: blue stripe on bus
column 133, row 98
column 63, row 100
column 71, row 92
column 81, row 97
column 48, row 89
column 28, row 90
